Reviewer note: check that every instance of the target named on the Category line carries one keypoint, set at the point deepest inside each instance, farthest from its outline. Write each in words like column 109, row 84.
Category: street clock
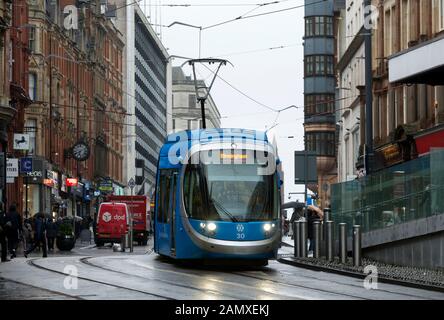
column 80, row 151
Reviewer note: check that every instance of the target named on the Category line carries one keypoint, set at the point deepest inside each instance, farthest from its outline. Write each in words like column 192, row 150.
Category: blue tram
column 217, row 196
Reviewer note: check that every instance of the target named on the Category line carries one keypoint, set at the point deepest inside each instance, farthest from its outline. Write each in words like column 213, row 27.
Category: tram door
column 165, row 214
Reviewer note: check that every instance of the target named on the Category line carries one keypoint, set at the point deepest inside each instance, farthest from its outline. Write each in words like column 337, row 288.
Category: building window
column 32, row 86
column 319, row 26
column 319, row 65
column 319, row 104
column 323, row 143
column 32, row 38
column 192, row 101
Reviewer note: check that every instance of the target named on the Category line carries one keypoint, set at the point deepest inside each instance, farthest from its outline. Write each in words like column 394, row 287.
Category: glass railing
column 405, row 192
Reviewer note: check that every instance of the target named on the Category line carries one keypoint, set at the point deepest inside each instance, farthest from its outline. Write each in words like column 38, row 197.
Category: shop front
column 35, row 198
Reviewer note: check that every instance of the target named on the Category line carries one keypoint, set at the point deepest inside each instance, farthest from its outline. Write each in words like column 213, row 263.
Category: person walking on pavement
column 15, row 221
column 313, row 214
column 27, row 234
column 3, row 234
column 39, row 234
column 51, row 233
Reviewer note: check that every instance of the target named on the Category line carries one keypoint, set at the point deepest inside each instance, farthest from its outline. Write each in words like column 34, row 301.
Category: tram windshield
column 231, row 191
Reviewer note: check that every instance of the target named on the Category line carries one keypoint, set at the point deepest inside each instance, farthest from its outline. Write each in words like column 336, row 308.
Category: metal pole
column 297, row 239
column 26, row 196
column 357, row 258
column 317, row 239
column 368, row 90
column 324, row 223
column 303, row 234
column 329, row 240
column 131, row 226
column 50, row 105
column 202, row 108
column 343, row 242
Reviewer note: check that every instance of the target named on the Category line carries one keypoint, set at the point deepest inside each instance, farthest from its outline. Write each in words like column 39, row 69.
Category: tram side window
column 164, row 191
column 194, row 203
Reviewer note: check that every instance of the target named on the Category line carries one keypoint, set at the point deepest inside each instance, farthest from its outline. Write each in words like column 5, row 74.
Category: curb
column 358, row 275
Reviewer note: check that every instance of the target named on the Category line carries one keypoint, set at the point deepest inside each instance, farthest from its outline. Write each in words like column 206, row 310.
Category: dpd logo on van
column 107, row 217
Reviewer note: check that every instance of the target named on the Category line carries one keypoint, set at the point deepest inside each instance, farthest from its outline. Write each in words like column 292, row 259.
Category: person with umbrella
column 39, row 234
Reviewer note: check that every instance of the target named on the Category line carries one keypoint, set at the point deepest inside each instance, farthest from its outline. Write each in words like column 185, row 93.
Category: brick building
column 74, row 82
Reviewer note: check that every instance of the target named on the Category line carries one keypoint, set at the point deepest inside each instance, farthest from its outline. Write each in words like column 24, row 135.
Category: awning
column 421, row 64
column 431, row 138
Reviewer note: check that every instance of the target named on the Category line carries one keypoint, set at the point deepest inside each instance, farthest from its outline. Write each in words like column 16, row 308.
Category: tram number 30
column 240, row 236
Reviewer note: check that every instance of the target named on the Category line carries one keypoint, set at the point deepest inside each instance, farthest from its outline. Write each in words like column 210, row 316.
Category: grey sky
column 272, row 77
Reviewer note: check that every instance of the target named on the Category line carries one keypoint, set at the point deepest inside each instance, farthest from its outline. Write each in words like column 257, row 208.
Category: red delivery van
column 138, row 207
column 112, row 222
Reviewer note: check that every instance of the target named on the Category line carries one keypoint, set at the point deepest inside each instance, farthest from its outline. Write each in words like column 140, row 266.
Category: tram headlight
column 267, row 227
column 211, row 226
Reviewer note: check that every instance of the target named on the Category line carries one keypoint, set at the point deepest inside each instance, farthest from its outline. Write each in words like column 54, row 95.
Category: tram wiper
column 221, row 207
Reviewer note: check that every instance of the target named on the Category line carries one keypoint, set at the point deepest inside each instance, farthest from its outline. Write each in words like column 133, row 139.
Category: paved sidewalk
column 414, row 277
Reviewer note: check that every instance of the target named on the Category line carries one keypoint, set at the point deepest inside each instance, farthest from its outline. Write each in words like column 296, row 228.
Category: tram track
column 276, row 282
column 33, row 264
column 86, row 261
column 321, row 290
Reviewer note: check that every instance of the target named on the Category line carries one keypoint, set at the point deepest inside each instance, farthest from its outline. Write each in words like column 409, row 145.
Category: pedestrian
column 13, row 233
column 27, row 234
column 51, row 233
column 3, row 234
column 39, row 234
column 313, row 214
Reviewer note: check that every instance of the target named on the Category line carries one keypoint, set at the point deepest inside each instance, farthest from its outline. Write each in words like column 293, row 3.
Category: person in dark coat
column 3, row 234
column 39, row 234
column 14, row 219
column 313, row 214
column 51, row 233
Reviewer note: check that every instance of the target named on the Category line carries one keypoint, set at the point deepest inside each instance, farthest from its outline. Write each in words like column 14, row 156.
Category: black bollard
column 329, row 237
column 343, row 242
column 317, row 239
column 303, row 234
column 357, row 258
column 297, row 239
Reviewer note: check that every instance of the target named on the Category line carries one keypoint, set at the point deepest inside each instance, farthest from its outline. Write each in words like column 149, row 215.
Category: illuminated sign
column 72, row 182
column 233, row 156
column 48, row 182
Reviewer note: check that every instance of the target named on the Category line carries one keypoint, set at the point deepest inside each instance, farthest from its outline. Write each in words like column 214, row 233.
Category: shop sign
column 72, row 182
column 21, row 141
column 63, row 186
column 51, row 179
column 35, row 176
column 25, row 165
column 392, row 155
column 106, row 186
column 12, row 168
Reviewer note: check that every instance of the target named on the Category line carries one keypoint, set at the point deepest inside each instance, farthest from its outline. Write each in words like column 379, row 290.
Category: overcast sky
column 272, row 77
